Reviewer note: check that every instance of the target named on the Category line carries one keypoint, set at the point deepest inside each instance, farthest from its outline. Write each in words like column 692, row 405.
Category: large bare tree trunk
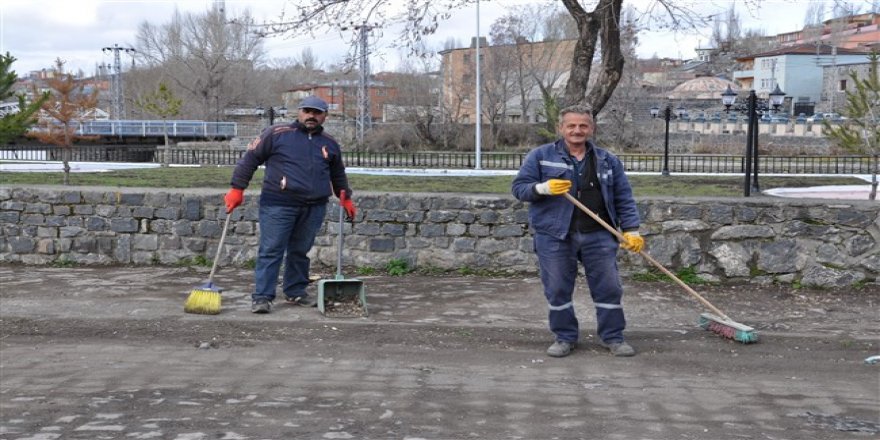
column 603, row 21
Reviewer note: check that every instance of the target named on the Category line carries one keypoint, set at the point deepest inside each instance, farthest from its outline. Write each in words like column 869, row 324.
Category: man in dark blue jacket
column 303, row 169
column 565, row 235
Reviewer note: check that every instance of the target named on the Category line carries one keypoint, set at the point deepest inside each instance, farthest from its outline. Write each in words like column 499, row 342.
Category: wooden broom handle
column 644, row 254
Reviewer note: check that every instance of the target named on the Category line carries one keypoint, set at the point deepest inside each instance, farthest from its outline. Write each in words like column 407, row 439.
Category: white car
column 819, row 117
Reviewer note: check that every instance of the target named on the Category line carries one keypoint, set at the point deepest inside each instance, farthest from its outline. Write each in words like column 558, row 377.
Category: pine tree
column 861, row 132
column 163, row 104
column 66, row 105
column 13, row 125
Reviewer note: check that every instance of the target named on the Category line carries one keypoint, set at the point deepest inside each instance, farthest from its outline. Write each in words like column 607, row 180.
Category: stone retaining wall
column 813, row 242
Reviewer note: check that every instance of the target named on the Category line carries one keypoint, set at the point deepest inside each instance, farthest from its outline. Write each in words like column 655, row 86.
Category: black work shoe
column 620, row 349
column 304, row 300
column 261, row 306
column 560, row 349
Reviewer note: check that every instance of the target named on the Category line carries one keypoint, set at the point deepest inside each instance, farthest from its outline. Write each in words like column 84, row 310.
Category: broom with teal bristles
column 205, row 299
column 718, row 322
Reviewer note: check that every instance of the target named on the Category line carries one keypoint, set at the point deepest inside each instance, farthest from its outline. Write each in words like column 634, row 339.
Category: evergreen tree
column 163, row 104
column 13, row 125
column 861, row 131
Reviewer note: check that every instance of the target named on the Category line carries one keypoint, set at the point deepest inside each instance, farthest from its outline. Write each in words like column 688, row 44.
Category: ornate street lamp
column 750, row 183
column 776, row 97
column 667, row 114
column 680, row 111
column 728, row 98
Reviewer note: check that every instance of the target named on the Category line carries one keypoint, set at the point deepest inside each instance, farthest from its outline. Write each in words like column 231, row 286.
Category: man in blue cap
column 303, row 169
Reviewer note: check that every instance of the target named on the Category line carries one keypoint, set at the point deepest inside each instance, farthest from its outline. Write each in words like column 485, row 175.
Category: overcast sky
column 37, row 32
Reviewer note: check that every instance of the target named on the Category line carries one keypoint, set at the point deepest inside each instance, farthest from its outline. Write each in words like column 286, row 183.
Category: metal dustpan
column 341, row 296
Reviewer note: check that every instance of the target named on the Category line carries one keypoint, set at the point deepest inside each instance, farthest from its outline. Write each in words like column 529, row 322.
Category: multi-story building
column 837, row 82
column 797, row 70
column 851, row 32
column 342, row 97
column 511, row 78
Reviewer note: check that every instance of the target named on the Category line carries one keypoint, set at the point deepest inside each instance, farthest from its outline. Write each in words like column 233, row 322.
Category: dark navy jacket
column 552, row 215
column 301, row 168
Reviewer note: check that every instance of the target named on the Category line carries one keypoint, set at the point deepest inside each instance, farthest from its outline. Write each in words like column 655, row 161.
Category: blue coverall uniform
column 303, row 169
column 559, row 249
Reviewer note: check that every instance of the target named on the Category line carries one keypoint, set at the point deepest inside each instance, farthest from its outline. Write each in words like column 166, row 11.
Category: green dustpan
column 340, row 289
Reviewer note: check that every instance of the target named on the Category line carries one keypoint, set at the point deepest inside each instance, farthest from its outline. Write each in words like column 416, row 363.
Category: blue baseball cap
column 313, row 102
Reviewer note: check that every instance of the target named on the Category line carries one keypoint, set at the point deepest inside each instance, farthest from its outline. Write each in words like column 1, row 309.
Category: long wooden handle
column 644, row 254
column 219, row 247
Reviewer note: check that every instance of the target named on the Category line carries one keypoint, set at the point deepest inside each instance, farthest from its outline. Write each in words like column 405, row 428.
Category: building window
column 841, row 87
column 467, row 58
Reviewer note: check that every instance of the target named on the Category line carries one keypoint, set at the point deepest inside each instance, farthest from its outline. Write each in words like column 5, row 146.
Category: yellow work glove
column 632, row 241
column 553, row 187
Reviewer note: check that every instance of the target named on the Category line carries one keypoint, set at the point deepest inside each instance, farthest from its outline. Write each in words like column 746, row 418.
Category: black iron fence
column 678, row 163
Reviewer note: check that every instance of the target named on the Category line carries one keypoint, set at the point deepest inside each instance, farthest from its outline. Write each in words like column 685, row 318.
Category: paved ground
column 107, row 353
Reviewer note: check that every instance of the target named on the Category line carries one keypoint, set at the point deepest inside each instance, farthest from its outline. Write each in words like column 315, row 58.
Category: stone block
column 505, row 231
column 168, row 213
column 33, row 219
column 84, row 209
column 145, row 242
column 123, row 225
column 381, row 245
column 38, row 208
column 455, row 229
column 192, row 208
column 21, row 245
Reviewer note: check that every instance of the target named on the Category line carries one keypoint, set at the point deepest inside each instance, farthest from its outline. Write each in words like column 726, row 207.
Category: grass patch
column 218, row 177
column 63, row 263
column 397, row 267
column 366, row 271
column 198, row 260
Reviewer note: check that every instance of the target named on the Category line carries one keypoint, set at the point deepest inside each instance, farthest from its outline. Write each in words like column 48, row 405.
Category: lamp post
column 776, row 97
column 680, row 111
column 667, row 115
column 728, row 98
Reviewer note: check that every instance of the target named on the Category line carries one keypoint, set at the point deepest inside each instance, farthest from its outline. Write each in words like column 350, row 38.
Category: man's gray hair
column 581, row 109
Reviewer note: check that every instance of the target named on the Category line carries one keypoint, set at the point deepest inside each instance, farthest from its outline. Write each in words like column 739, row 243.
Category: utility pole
column 478, row 111
column 364, row 119
column 116, row 79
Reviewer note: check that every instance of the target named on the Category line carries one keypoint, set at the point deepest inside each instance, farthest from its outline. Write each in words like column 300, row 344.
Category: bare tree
column 599, row 27
column 418, row 91
column 64, row 109
column 209, row 59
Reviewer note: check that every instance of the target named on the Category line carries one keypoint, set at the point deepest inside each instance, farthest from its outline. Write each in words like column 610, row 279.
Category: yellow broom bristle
column 204, row 302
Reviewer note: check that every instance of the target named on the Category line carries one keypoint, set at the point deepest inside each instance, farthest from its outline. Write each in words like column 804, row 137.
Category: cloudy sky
column 37, row 32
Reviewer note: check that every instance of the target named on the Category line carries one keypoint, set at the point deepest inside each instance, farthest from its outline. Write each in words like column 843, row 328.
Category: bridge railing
column 175, row 129
column 156, row 129
column 678, row 163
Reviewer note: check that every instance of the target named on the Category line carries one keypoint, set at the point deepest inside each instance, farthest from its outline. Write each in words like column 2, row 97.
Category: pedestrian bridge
column 178, row 130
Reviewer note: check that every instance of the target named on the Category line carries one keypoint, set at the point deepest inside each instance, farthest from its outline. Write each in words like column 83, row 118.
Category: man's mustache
column 312, row 120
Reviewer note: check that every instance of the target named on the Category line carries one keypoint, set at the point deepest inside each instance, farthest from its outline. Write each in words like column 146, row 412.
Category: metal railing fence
column 678, row 163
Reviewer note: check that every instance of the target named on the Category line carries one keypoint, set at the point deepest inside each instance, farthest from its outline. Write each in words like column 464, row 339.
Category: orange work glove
column 553, row 187
column 633, row 241
column 347, row 205
column 233, row 199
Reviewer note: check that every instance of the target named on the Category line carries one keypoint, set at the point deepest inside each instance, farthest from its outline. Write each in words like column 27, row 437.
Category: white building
column 798, row 70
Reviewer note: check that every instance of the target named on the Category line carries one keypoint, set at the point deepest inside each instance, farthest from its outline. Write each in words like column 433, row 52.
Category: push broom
column 205, row 299
column 716, row 322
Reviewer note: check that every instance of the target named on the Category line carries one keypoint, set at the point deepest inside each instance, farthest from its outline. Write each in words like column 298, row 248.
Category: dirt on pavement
column 107, row 353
